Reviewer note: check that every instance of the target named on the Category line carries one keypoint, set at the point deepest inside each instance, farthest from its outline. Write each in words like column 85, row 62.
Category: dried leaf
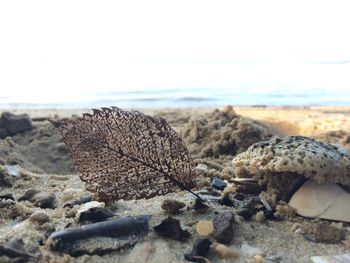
column 125, row 155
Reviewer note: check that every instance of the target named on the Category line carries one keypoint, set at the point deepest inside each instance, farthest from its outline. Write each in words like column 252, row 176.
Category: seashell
column 326, row 201
column 101, row 237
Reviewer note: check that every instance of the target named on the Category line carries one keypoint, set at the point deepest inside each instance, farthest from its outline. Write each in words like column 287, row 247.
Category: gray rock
column 223, row 227
column 11, row 124
column 172, row 206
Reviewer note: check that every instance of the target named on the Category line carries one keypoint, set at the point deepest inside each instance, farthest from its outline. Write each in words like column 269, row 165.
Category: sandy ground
column 48, row 169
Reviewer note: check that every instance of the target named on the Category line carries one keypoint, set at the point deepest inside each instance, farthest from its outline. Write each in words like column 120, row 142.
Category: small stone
column 199, row 205
column 44, row 200
column 14, row 249
column 39, row 217
column 223, row 251
column 80, row 201
column 218, row 184
column 71, row 194
column 93, row 211
column 245, row 213
column 200, row 249
column 7, row 197
column 226, row 201
column 260, row 216
column 171, row 228
column 172, row 206
column 205, row 227
column 324, row 232
column 11, row 124
column 258, row 259
column 223, row 227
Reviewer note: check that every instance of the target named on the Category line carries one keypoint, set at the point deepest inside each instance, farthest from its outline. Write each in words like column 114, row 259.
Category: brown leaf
column 125, row 155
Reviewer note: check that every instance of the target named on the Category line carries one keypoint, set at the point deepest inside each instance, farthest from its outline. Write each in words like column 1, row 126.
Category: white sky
column 47, row 47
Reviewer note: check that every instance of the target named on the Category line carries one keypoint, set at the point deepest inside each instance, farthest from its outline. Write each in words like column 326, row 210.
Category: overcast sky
column 52, row 46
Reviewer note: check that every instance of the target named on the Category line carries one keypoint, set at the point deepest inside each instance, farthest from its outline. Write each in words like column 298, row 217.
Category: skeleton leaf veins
column 126, row 155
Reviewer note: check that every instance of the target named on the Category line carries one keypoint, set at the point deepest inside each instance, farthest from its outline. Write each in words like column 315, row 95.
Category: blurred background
column 78, row 54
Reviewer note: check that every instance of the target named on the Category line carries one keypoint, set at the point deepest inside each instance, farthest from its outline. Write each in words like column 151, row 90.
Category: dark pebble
column 171, row 228
column 270, row 215
column 249, row 188
column 7, row 197
column 11, row 124
column 14, row 249
column 126, row 230
column 223, row 227
column 80, row 201
column 218, row 184
column 199, row 205
column 96, row 214
column 245, row 213
column 200, row 249
column 226, row 201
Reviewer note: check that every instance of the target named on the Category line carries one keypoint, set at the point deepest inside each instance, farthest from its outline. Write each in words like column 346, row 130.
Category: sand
column 48, row 168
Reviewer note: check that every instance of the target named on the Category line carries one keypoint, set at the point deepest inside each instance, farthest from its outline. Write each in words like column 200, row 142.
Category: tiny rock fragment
column 226, row 200
column 172, row 206
column 223, row 251
column 199, row 205
column 260, row 216
column 218, row 184
column 39, row 217
column 42, row 200
column 80, row 201
column 171, row 228
column 327, row 201
column 93, row 211
column 14, row 249
column 245, row 213
column 7, row 197
column 223, row 227
column 205, row 227
column 200, row 248
column 11, row 124
column 326, row 233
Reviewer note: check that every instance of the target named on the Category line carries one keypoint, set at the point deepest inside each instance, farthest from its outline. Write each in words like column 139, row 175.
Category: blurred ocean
column 192, row 97
column 192, row 85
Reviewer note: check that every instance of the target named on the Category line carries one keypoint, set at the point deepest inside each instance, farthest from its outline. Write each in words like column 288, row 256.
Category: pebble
column 172, row 206
column 71, row 194
column 258, row 259
column 245, row 213
column 226, row 201
column 200, row 249
column 7, row 197
column 260, row 216
column 218, row 184
column 11, row 124
column 171, row 228
column 205, row 227
column 14, row 249
column 223, row 227
column 199, row 206
column 324, row 232
column 42, row 200
column 223, row 251
column 39, row 217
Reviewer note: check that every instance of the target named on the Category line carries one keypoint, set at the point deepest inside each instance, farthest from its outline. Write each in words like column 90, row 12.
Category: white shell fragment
column 332, row 259
column 327, row 201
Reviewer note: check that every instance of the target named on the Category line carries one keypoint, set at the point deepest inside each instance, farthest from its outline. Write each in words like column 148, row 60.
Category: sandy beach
column 45, row 166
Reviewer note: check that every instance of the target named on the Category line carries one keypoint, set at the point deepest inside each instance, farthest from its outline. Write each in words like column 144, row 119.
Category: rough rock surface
column 222, row 132
column 11, row 124
column 283, row 164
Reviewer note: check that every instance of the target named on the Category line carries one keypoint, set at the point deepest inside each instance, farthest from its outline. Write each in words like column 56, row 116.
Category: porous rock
column 223, row 227
column 222, row 132
column 281, row 165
